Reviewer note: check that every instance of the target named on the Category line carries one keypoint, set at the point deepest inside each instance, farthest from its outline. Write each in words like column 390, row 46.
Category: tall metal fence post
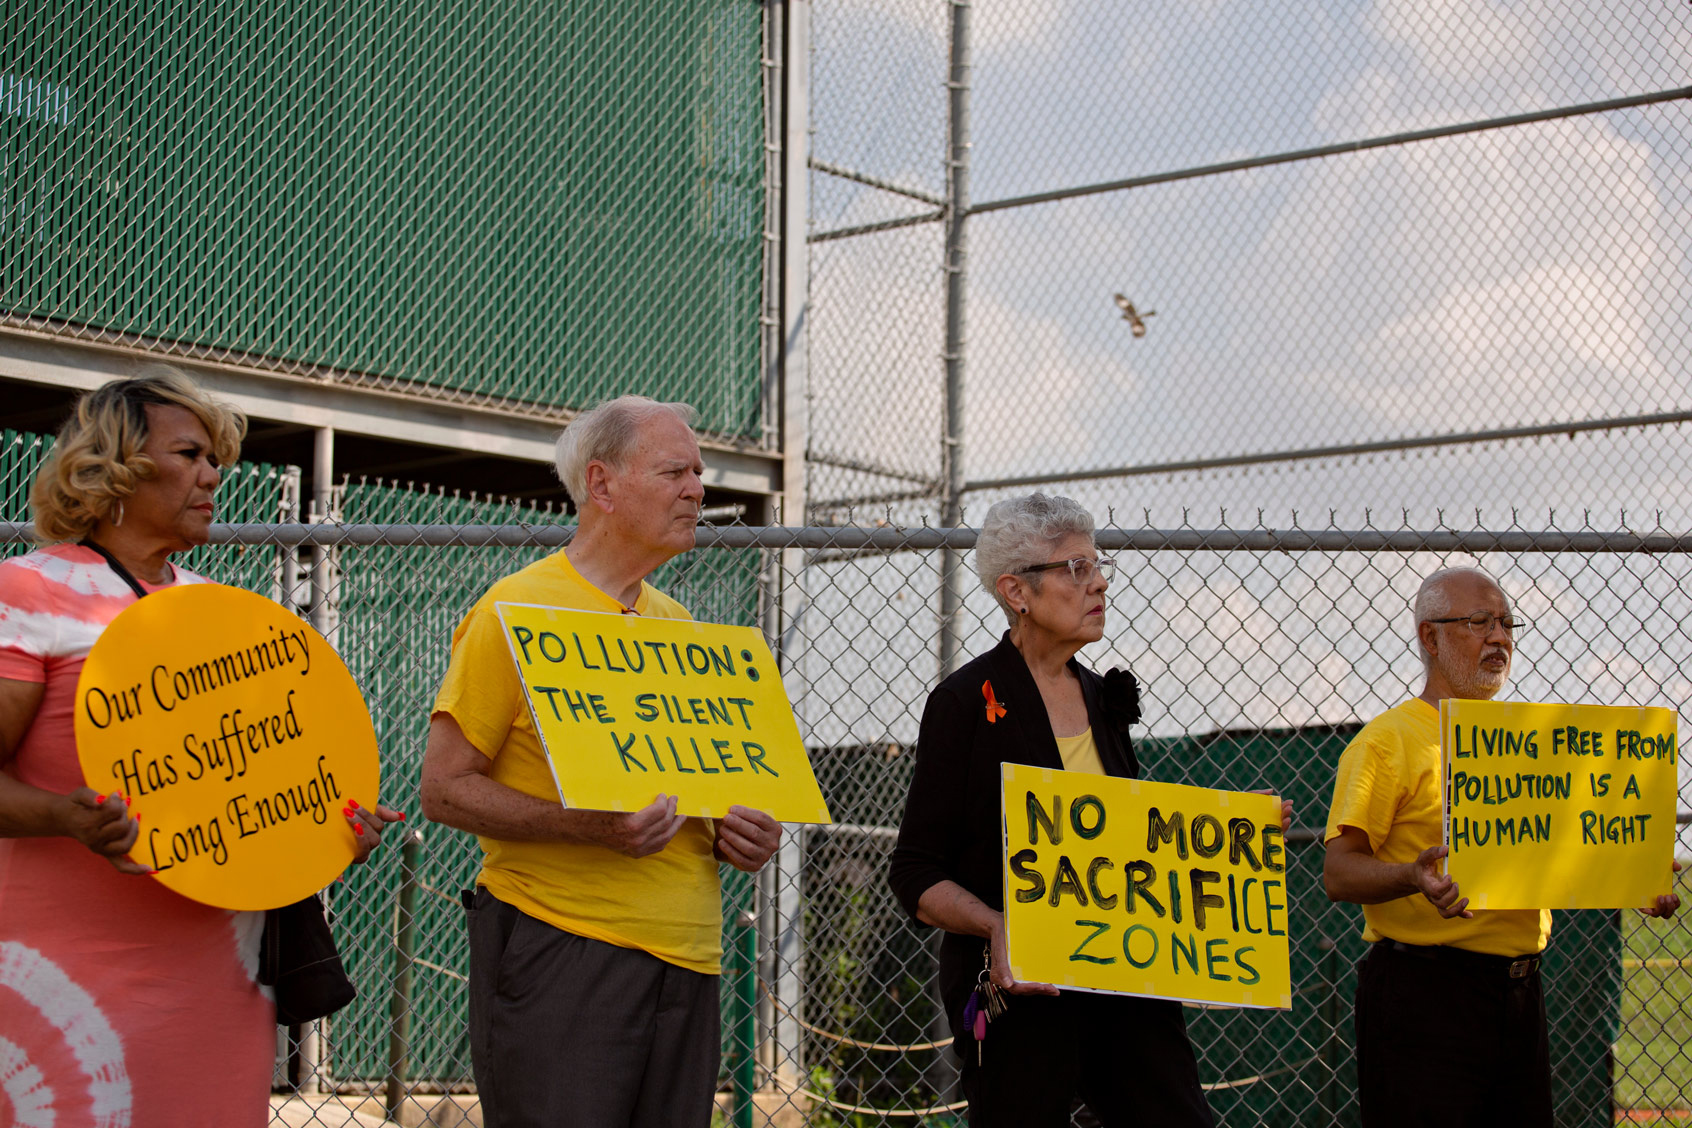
column 285, row 587
column 941, row 1073
column 787, row 956
column 322, row 506
column 740, row 963
column 786, row 976
column 399, row 1000
column 957, row 253
column 312, row 1041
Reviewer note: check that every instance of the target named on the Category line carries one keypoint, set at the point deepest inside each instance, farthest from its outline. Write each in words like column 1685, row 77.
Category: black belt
column 1516, row 967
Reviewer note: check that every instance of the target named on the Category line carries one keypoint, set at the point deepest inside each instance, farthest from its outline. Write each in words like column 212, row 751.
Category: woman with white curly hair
column 1029, row 701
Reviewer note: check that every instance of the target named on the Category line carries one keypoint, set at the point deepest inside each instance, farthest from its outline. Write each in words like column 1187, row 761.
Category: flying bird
column 1135, row 319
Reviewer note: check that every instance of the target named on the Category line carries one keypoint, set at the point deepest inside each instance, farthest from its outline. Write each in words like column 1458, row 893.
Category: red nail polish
column 358, row 828
column 99, row 799
column 353, row 803
column 126, row 800
column 402, row 816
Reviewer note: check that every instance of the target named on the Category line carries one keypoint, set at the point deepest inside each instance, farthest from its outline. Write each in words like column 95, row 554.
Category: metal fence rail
column 892, row 539
column 1259, row 651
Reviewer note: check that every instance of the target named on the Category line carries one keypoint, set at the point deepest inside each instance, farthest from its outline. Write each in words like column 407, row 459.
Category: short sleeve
column 1366, row 790
column 481, row 690
column 28, row 627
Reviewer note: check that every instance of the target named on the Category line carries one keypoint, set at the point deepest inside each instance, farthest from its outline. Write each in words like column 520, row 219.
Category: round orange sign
column 238, row 734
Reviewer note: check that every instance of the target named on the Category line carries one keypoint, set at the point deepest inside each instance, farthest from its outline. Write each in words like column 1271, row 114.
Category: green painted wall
column 540, row 202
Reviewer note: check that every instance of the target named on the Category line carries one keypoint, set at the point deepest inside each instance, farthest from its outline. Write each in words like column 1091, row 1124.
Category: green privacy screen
column 540, row 203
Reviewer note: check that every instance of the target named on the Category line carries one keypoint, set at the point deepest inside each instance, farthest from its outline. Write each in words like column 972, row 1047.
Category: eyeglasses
column 1481, row 622
column 1082, row 569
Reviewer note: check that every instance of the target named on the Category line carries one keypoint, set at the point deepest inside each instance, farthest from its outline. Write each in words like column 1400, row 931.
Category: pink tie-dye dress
column 122, row 1004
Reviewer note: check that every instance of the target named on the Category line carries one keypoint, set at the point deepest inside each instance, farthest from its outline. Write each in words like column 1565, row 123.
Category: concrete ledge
column 464, row 1110
column 420, row 1110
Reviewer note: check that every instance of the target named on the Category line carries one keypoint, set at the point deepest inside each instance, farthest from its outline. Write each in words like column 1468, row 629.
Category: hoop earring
column 118, row 520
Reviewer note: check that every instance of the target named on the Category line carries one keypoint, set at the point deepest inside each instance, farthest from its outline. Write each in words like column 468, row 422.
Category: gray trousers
column 567, row 1032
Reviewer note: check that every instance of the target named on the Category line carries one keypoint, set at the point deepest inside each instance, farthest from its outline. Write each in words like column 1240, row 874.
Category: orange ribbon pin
column 994, row 709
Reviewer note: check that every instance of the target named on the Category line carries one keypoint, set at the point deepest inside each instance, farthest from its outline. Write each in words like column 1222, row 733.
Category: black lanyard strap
column 117, row 566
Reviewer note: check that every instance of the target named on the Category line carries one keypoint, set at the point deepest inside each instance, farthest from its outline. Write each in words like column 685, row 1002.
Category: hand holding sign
column 998, row 945
column 102, row 823
column 1436, row 885
column 1666, row 904
column 234, row 734
column 635, row 833
column 1286, row 807
column 367, row 826
column 746, row 838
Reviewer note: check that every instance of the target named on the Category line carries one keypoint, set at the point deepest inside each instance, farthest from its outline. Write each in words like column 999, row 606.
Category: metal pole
column 941, row 1075
column 794, row 347
column 857, row 177
column 786, row 927
column 1344, row 450
column 322, row 499
column 770, row 324
column 746, row 1073
column 399, row 1000
column 841, row 543
column 285, row 573
column 322, row 469
column 957, row 218
column 1610, row 105
column 740, row 1007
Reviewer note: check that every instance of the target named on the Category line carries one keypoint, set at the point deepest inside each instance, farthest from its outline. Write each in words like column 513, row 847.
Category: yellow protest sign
column 237, row 733
column 1143, row 888
column 630, row 707
column 1559, row 806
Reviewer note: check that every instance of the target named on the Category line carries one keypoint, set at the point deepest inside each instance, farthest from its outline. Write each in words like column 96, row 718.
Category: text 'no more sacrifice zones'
column 1143, row 888
column 632, row 706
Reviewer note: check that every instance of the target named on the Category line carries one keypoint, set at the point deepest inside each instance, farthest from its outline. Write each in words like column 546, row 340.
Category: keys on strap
column 985, row 1003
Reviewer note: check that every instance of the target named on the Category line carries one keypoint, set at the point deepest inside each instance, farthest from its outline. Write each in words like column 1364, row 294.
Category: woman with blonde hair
column 116, row 993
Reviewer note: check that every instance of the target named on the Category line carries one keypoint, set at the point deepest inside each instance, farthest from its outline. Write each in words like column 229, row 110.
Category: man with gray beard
column 1439, row 977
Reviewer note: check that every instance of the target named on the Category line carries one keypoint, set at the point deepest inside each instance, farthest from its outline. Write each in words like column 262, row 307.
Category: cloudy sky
column 1523, row 276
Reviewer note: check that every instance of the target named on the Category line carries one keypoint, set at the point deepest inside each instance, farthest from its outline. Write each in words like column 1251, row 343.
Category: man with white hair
column 1450, row 1011
column 595, row 936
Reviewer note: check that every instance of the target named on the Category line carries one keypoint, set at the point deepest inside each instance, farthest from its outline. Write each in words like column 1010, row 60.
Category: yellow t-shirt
column 1390, row 785
column 1080, row 753
column 668, row 903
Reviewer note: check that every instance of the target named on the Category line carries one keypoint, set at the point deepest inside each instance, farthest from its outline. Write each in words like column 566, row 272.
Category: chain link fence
column 1394, row 269
column 1260, row 650
column 1399, row 255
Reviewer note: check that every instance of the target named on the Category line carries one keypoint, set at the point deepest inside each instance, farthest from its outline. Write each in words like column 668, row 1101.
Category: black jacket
column 951, row 829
